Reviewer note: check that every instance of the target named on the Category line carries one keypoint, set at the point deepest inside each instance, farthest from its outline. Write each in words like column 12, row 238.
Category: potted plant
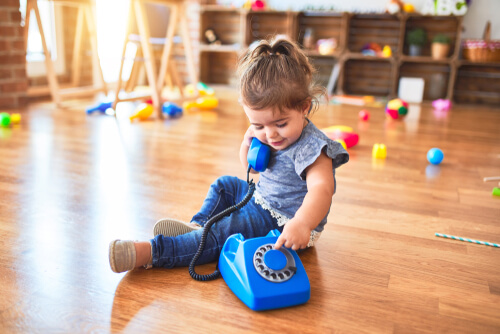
column 416, row 40
column 440, row 47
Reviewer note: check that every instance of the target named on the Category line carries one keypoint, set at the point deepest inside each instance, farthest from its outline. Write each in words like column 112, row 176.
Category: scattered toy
column 466, row 239
column 396, row 108
column 496, row 191
column 342, row 133
column 379, row 151
column 202, row 88
column 7, row 119
column 15, row 118
column 171, row 109
column 441, row 104
column 364, row 115
column 203, row 103
column 368, row 100
column 435, row 156
column 143, row 111
column 101, row 107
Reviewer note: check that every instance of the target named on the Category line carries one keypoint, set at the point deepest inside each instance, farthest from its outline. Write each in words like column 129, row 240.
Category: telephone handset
column 258, row 155
column 262, row 277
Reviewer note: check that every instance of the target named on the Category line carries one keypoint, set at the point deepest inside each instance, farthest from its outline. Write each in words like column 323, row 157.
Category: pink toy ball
column 396, row 109
column 364, row 115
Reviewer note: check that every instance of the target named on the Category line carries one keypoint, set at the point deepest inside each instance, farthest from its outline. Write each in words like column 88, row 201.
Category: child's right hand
column 245, row 146
column 249, row 134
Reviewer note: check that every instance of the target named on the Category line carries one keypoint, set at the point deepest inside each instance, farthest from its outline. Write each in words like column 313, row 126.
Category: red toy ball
column 344, row 133
column 364, row 115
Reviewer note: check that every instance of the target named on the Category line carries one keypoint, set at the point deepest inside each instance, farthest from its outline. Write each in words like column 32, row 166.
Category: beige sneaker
column 122, row 255
column 170, row 227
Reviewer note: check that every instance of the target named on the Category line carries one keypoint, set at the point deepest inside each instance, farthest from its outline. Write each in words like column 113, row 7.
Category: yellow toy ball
column 15, row 118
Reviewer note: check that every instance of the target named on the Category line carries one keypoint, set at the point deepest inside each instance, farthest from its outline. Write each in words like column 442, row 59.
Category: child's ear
column 306, row 109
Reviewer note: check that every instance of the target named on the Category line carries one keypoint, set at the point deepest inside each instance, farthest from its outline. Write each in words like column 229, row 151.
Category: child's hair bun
column 273, row 48
column 277, row 74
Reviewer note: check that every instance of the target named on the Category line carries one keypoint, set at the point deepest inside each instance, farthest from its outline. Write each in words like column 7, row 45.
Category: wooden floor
column 70, row 183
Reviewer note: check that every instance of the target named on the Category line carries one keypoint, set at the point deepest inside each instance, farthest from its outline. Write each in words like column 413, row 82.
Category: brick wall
column 13, row 80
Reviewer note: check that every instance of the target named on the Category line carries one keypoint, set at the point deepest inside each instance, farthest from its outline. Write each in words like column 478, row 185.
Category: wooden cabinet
column 348, row 70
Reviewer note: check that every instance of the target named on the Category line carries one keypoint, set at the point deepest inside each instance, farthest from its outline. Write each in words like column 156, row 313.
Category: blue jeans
column 251, row 221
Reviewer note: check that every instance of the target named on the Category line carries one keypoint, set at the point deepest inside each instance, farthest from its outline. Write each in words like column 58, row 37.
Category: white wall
column 479, row 12
column 474, row 21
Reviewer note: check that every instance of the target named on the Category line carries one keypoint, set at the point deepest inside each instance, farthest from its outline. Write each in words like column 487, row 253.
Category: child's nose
column 271, row 133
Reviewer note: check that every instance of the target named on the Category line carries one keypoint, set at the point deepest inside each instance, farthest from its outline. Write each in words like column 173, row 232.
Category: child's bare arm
column 320, row 189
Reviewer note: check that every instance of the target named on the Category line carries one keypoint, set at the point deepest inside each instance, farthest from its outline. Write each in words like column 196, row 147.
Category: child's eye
column 258, row 127
column 281, row 125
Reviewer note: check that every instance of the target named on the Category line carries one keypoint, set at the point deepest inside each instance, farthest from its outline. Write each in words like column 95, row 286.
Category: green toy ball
column 4, row 119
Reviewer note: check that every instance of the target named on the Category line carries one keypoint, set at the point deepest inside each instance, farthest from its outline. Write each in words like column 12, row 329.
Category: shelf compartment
column 324, row 67
column 368, row 77
column 218, row 68
column 380, row 29
column 436, row 77
column 225, row 23
column 433, row 25
column 265, row 25
column 323, row 26
column 477, row 84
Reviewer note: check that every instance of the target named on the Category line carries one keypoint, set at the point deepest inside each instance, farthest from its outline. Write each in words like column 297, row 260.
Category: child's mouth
column 277, row 143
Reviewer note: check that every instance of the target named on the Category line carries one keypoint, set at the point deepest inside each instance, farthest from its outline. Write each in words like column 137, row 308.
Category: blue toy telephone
column 262, row 277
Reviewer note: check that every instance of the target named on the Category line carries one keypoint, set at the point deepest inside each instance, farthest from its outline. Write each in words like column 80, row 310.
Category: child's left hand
column 296, row 235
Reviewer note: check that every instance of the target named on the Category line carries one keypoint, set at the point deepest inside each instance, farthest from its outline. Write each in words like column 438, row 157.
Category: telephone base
column 261, row 277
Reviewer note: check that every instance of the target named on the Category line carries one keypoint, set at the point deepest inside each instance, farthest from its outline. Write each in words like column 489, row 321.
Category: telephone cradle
column 263, row 278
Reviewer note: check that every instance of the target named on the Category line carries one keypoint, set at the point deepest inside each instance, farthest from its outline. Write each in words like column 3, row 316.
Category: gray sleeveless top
column 282, row 186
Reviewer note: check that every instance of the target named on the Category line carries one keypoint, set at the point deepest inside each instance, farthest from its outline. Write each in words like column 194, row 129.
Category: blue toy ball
column 435, row 156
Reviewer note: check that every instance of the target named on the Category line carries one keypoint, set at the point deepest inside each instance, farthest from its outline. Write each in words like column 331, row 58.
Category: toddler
column 293, row 194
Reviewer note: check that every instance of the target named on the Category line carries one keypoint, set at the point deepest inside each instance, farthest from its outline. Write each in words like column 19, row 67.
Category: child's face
column 277, row 129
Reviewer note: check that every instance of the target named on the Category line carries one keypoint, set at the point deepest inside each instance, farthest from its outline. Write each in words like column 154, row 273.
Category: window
column 52, row 27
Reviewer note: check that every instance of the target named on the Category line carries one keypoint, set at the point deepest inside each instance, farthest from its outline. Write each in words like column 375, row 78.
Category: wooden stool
column 156, row 79
column 85, row 13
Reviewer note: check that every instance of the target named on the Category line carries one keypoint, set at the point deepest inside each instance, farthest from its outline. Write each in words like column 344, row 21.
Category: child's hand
column 295, row 235
column 247, row 138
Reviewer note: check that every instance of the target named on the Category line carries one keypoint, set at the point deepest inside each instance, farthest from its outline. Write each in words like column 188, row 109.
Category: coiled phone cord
column 216, row 274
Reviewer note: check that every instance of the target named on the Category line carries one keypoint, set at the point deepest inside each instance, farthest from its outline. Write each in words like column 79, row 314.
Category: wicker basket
column 482, row 50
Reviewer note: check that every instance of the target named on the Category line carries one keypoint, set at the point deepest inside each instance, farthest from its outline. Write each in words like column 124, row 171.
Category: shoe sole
column 112, row 263
column 128, row 256
column 169, row 227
